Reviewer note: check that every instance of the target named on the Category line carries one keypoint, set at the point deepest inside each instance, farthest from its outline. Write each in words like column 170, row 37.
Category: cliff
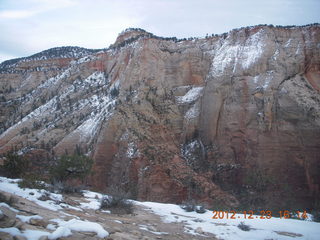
column 232, row 119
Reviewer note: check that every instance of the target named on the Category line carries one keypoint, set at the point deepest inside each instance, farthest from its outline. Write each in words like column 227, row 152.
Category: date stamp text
column 264, row 214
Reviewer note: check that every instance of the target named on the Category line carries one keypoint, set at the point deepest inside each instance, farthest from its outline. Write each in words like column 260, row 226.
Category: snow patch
column 192, row 95
column 92, row 195
column 83, row 60
column 224, row 57
column 95, row 79
column 12, row 231
column 60, row 232
column 95, row 205
column 29, row 234
column 132, row 150
column 82, row 226
column 146, row 228
column 34, row 234
column 193, row 112
column 2, row 204
column 268, row 79
column 288, row 43
column 231, row 54
column 117, row 221
column 106, row 211
column 276, row 54
column 88, row 129
column 51, row 227
column 124, row 136
column 54, row 80
column 64, row 205
column 33, row 195
column 283, row 90
column 27, row 219
column 46, row 108
column 256, row 79
column 299, row 50
column 93, row 200
column 253, row 49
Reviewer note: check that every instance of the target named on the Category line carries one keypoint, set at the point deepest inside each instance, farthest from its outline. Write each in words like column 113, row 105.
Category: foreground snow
column 64, row 230
column 274, row 228
column 11, row 186
column 80, row 226
column 195, row 223
column 61, row 228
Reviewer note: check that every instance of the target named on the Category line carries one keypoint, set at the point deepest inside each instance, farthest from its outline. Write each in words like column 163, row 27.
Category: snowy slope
column 61, row 228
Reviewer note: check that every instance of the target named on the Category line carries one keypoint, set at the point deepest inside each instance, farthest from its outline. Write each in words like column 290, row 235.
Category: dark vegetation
column 244, row 227
column 14, row 165
column 32, row 181
column 68, row 173
column 114, row 92
column 65, row 187
column 316, row 215
column 117, row 202
column 191, row 205
column 71, row 167
column 65, row 171
column 316, row 211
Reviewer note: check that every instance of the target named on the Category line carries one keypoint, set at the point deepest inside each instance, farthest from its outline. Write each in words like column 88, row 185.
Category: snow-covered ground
column 61, row 228
column 274, row 228
column 194, row 223
column 11, row 186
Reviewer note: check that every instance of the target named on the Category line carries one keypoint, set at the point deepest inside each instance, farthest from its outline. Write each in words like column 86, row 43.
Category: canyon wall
column 229, row 120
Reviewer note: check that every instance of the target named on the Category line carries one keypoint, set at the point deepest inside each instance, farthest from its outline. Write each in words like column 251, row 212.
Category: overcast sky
column 30, row 26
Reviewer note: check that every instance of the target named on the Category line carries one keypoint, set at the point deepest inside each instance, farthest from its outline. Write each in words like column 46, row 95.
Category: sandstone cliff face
column 230, row 119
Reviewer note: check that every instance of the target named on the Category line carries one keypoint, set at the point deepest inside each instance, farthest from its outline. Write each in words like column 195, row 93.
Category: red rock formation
column 227, row 120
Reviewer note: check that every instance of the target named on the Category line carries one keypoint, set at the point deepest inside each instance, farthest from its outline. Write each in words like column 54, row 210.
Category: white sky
column 30, row 26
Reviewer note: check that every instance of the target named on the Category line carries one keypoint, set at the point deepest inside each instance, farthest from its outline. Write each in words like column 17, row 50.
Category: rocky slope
column 232, row 119
column 35, row 214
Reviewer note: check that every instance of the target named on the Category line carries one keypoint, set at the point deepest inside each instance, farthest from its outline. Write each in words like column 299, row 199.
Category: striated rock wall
column 227, row 120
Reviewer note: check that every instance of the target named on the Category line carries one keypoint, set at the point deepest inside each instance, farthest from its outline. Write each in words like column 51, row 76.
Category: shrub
column 316, row 211
column 199, row 209
column 71, row 167
column 117, row 201
column 14, row 165
column 258, row 180
column 315, row 216
column 45, row 197
column 63, row 187
column 105, row 202
column 114, row 92
column 188, row 207
column 116, row 204
column 31, row 181
column 244, row 227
